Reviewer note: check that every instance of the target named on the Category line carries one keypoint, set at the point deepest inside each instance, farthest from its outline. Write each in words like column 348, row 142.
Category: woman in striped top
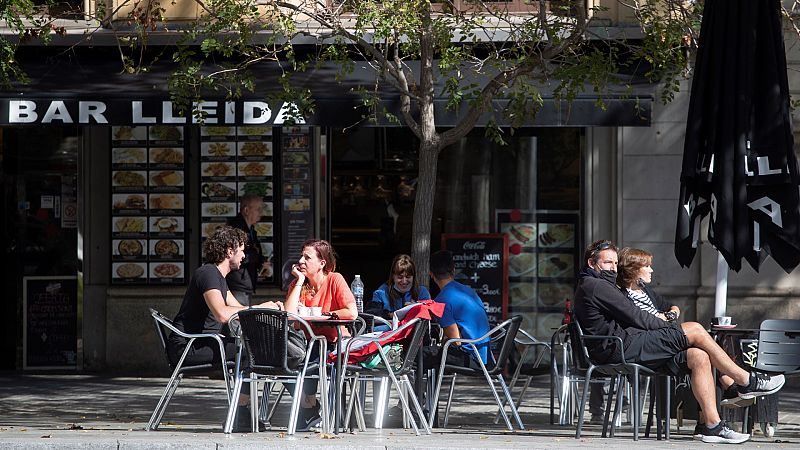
column 634, row 273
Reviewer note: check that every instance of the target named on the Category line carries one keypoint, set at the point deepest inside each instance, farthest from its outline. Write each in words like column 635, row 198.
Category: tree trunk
column 423, row 210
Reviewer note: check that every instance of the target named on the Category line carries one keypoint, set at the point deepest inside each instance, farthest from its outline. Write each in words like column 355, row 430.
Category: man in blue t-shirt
column 464, row 316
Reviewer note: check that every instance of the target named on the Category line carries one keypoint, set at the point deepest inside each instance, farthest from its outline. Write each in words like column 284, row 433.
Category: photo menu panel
column 235, row 161
column 148, row 214
column 298, row 189
column 543, row 265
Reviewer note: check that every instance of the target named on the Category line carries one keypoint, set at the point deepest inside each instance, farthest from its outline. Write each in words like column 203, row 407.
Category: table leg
column 337, row 405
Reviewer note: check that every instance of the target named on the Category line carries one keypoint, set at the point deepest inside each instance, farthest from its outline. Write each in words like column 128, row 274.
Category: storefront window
column 479, row 183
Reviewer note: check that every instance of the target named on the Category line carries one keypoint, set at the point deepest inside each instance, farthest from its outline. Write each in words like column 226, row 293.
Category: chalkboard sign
column 481, row 262
column 50, row 310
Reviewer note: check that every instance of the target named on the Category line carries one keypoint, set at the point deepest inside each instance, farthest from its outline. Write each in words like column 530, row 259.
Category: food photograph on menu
column 216, row 131
column 166, row 156
column 129, row 179
column 128, row 202
column 166, row 225
column 255, row 148
column 126, row 133
column 556, row 265
column 166, row 271
column 166, row 178
column 166, row 133
column 128, row 225
column 218, row 190
column 166, row 248
column 218, row 169
column 255, row 130
column 128, row 155
column 166, row 201
column 128, row 247
column 217, row 150
column 128, row 270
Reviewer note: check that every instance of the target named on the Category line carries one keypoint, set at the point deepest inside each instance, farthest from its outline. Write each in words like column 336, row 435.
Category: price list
column 235, row 161
column 148, row 192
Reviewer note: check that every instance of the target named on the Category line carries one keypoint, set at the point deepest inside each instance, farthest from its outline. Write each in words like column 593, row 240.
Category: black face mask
column 609, row 275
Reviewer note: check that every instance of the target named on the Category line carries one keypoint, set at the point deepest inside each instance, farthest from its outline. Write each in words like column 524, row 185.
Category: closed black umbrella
column 739, row 164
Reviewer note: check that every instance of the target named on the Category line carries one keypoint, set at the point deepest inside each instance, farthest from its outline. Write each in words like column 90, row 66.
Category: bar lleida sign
column 142, row 112
column 481, row 262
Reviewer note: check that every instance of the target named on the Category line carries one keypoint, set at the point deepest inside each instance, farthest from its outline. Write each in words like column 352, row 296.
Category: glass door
column 40, row 227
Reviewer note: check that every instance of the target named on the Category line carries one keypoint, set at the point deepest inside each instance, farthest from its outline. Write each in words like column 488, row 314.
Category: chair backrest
column 161, row 331
column 503, row 343
column 412, row 346
column 365, row 323
column 578, row 351
column 265, row 335
column 779, row 346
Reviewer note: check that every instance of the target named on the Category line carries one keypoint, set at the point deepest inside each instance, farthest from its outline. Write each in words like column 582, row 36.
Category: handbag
column 295, row 348
column 394, row 355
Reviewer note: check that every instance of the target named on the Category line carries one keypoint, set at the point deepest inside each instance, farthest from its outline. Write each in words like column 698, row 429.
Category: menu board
column 481, row 262
column 543, row 265
column 50, row 322
column 148, row 210
column 235, row 161
column 297, row 215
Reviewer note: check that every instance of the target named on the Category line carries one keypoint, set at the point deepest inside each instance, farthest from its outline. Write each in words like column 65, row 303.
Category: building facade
column 109, row 192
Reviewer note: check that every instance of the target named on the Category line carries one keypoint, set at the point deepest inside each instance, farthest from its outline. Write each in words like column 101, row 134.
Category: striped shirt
column 643, row 301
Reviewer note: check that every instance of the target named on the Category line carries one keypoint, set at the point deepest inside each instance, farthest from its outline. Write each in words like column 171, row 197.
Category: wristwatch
column 671, row 315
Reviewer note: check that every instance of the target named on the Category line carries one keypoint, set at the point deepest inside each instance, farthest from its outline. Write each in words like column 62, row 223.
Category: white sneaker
column 761, row 384
column 722, row 434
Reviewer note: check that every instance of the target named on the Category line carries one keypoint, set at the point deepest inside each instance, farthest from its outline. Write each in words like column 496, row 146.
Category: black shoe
column 761, row 384
column 308, row 418
column 698, row 432
column 731, row 399
column 722, row 434
column 243, row 424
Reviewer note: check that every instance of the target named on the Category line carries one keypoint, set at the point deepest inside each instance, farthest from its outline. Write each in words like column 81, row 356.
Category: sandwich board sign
column 481, row 262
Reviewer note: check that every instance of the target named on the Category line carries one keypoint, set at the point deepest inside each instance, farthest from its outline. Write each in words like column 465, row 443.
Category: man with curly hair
column 208, row 304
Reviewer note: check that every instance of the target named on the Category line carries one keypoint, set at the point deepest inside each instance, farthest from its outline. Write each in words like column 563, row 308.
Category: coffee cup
column 724, row 321
column 304, row 311
column 316, row 311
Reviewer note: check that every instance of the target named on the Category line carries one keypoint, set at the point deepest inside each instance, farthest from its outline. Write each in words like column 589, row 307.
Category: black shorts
column 662, row 349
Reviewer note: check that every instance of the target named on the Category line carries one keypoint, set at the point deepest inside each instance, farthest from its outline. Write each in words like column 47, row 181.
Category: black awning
column 89, row 93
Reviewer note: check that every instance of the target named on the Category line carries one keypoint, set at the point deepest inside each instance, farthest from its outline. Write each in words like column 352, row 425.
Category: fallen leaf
column 74, row 426
column 45, row 436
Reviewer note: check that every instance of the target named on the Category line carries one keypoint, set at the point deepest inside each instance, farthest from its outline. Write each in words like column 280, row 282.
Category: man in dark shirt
column 601, row 308
column 242, row 282
column 208, row 305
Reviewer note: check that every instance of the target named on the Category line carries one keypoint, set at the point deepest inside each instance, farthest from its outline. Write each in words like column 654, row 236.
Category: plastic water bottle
column 357, row 286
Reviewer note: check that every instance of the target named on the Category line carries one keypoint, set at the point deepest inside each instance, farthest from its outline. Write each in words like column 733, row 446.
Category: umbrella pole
column 721, row 294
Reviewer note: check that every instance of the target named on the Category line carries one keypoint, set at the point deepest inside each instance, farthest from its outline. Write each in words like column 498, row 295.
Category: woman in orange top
column 318, row 284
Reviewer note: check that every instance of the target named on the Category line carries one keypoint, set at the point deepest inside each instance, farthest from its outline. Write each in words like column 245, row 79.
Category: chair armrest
column 184, row 334
column 597, row 337
column 382, row 321
column 524, row 338
column 481, row 338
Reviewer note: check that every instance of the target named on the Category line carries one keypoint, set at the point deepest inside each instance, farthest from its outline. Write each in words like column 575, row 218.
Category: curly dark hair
column 630, row 261
column 215, row 248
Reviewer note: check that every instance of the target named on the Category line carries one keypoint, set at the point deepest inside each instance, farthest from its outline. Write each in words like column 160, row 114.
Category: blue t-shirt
column 464, row 308
column 381, row 297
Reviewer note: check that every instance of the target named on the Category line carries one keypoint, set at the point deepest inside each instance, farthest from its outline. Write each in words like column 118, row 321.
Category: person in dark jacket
column 242, row 282
column 601, row 308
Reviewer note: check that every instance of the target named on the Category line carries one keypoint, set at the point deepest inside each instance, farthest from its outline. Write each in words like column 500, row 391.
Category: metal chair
column 582, row 363
column 501, row 339
column 399, row 377
column 179, row 369
column 264, row 339
column 778, row 351
column 529, row 369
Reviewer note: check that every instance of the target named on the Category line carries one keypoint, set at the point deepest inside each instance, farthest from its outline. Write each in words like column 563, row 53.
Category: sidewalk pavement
column 97, row 412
